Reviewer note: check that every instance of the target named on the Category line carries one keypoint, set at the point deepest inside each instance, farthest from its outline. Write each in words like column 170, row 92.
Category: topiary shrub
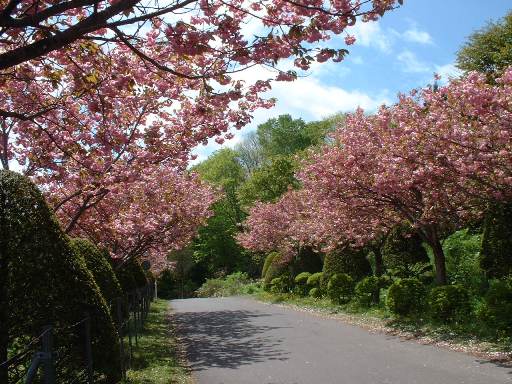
column 340, row 288
column 276, row 268
column 406, row 297
column 268, row 261
column 315, row 293
column 301, row 283
column 449, row 303
column 97, row 262
column 367, row 291
column 495, row 254
column 347, row 260
column 42, row 281
column 314, row 280
column 278, row 285
column 496, row 310
column 401, row 250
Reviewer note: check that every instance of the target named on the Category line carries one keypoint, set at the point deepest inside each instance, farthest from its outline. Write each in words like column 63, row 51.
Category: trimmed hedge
column 276, row 268
column 496, row 310
column 402, row 249
column 43, row 282
column 131, row 276
column 97, row 262
column 348, row 260
column 406, row 297
column 449, row 303
column 368, row 290
column 495, row 254
column 267, row 263
column 340, row 288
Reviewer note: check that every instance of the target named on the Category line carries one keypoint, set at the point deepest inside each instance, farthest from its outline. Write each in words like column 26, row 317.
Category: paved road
column 241, row 341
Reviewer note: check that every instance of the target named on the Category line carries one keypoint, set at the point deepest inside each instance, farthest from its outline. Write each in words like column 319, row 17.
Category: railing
column 42, row 361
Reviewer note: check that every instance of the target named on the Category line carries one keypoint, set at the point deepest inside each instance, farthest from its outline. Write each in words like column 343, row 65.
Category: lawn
column 157, row 358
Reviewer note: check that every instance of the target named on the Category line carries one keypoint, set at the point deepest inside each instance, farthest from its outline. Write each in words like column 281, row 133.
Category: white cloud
column 447, row 72
column 307, row 97
column 370, row 34
column 410, row 63
column 417, row 36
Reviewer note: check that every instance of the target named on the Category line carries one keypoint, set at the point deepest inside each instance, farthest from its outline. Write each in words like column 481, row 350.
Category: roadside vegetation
column 157, row 359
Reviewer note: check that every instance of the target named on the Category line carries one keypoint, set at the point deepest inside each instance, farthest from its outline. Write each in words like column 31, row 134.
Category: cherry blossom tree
column 95, row 92
column 434, row 159
column 146, row 219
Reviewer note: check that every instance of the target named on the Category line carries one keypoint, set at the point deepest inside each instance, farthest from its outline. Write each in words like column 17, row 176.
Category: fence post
column 88, row 349
column 48, row 363
column 156, row 290
column 130, row 345
column 119, row 301
column 134, row 312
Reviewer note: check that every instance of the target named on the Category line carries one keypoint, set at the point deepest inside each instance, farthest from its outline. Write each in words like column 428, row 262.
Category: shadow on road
column 227, row 339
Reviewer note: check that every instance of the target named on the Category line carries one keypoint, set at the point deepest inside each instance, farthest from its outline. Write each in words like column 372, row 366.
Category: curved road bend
column 241, row 341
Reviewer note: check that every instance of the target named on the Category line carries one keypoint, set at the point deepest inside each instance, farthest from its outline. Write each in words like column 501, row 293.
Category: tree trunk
column 379, row 265
column 430, row 236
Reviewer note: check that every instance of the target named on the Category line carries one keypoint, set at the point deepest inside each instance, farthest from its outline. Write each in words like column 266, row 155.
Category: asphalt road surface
column 241, row 341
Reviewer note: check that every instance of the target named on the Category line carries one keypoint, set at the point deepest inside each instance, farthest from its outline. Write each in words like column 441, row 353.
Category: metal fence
column 43, row 361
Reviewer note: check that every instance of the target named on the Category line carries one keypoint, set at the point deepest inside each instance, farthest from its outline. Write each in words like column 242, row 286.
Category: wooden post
column 119, row 302
column 48, row 363
column 88, row 350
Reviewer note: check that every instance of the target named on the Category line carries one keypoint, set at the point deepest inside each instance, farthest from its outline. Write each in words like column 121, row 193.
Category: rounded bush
column 301, row 283
column 278, row 285
column 351, row 261
column 448, row 303
column 367, row 290
column 340, row 288
column 402, row 249
column 302, row 278
column 315, row 292
column 42, row 281
column 496, row 310
column 314, row 280
column 405, row 297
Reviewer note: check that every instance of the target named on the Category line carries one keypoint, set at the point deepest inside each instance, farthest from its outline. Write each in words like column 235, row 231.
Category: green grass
column 156, row 360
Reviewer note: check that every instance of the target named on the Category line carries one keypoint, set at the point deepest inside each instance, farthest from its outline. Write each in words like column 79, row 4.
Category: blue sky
column 399, row 52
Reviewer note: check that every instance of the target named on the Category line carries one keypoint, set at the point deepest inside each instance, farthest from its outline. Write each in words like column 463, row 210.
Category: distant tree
column 488, row 50
column 283, row 136
column 269, row 182
column 221, row 169
column 249, row 153
column 183, row 261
